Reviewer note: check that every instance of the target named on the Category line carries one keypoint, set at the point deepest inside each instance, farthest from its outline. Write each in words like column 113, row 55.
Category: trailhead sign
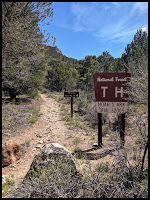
column 111, row 92
column 71, row 94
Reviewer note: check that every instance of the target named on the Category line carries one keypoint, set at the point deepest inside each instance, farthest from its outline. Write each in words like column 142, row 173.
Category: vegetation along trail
column 50, row 128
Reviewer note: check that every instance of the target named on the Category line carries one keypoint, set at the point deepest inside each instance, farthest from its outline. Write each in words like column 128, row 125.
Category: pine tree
column 22, row 46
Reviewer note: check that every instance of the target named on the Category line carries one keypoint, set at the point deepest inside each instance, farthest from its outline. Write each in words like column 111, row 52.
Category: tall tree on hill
column 106, row 61
column 137, row 48
column 86, row 73
column 135, row 59
column 141, row 40
column 22, row 49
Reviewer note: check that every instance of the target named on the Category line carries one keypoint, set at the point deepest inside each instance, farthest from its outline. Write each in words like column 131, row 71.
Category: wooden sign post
column 71, row 94
column 111, row 93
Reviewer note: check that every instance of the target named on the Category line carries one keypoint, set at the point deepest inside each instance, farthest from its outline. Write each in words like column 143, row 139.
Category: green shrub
column 33, row 93
column 76, row 140
column 79, row 153
column 8, row 185
column 92, row 137
column 55, row 178
column 105, row 130
column 138, row 141
column 102, row 167
column 87, row 108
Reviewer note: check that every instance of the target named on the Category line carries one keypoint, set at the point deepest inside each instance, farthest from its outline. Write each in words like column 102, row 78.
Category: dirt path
column 46, row 129
column 49, row 128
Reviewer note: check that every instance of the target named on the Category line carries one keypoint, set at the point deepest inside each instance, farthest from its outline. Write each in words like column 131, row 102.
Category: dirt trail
column 49, row 128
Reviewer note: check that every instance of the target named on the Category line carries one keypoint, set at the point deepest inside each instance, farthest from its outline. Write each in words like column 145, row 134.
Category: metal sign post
column 111, row 93
column 71, row 107
column 71, row 94
column 99, row 129
column 122, row 128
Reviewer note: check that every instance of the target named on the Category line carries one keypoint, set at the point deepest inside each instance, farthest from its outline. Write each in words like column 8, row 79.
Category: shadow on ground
column 16, row 100
column 93, row 156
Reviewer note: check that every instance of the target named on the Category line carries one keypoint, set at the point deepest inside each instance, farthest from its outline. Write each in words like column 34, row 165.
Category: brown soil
column 51, row 128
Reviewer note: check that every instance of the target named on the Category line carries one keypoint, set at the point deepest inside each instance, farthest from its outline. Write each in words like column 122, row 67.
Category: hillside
column 55, row 52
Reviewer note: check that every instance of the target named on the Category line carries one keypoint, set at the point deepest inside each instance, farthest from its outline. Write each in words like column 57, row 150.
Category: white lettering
column 104, row 90
column 103, row 104
column 120, row 104
column 118, row 91
column 111, row 107
column 120, row 79
column 105, row 79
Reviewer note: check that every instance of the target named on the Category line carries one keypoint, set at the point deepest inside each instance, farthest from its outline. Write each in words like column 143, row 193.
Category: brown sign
column 71, row 94
column 111, row 91
column 111, row 86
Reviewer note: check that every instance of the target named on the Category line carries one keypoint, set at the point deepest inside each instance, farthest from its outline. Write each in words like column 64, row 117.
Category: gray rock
column 38, row 146
column 40, row 142
column 95, row 144
column 54, row 169
column 50, row 153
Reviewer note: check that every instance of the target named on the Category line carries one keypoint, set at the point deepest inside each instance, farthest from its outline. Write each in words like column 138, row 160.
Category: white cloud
column 144, row 28
column 115, row 35
column 107, row 20
column 124, row 35
column 85, row 16
column 140, row 7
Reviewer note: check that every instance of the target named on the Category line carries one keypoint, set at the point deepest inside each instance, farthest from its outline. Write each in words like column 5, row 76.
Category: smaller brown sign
column 71, row 94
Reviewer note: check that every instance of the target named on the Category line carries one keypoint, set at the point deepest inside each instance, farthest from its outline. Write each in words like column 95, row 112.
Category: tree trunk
column 12, row 95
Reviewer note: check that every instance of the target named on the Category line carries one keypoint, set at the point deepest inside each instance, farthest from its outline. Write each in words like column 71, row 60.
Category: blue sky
column 90, row 28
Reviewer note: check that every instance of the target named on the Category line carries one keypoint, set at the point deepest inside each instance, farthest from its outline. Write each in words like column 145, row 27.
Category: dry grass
column 18, row 115
column 109, row 178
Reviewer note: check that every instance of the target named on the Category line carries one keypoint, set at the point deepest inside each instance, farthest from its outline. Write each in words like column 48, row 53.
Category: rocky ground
column 51, row 128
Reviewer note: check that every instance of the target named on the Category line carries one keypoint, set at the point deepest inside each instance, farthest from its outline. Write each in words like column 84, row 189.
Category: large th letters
column 117, row 91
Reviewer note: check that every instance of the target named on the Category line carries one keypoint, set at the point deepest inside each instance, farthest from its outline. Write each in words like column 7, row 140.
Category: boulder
column 10, row 152
column 52, row 173
column 51, row 154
